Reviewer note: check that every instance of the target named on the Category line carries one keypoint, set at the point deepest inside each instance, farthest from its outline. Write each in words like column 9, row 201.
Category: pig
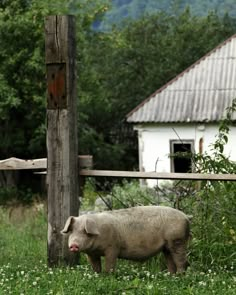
column 135, row 234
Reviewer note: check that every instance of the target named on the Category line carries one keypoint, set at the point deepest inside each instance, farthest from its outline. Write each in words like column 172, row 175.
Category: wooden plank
column 17, row 164
column 156, row 175
column 85, row 161
column 62, row 168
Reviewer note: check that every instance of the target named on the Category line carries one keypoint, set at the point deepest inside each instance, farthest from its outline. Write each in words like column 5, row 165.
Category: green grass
column 23, row 269
column 129, row 279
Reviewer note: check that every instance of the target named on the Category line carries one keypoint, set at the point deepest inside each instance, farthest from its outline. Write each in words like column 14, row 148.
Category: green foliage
column 22, row 78
column 216, row 161
column 215, row 202
column 89, row 195
column 13, row 195
column 213, row 223
column 130, row 194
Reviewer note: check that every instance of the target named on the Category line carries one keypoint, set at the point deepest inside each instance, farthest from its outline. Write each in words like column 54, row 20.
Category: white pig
column 136, row 234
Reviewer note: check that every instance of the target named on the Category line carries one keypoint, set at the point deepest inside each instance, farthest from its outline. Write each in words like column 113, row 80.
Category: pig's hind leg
column 95, row 261
column 178, row 250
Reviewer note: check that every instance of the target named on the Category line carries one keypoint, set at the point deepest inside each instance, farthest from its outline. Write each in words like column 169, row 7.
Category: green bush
column 130, row 194
column 14, row 195
column 89, row 195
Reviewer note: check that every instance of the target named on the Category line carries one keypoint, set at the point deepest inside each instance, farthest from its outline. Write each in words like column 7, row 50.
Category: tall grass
column 22, row 239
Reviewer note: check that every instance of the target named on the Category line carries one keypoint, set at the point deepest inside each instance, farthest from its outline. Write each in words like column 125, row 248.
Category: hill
column 122, row 10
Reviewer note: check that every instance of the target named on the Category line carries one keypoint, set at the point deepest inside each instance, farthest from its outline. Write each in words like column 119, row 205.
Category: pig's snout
column 74, row 248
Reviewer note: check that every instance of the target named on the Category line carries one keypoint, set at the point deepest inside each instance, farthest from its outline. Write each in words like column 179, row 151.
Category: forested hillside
column 133, row 9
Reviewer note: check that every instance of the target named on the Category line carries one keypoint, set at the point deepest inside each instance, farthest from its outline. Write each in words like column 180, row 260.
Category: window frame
column 184, row 141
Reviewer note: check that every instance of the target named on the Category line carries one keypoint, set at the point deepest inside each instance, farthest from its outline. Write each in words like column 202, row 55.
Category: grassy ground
column 23, row 268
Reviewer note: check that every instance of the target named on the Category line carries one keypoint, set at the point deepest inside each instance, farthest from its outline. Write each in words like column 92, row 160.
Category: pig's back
column 147, row 220
column 156, row 214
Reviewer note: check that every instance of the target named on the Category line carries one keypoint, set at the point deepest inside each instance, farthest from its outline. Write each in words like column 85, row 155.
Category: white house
column 184, row 114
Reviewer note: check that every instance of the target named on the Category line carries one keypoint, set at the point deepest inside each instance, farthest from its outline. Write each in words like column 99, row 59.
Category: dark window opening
column 181, row 156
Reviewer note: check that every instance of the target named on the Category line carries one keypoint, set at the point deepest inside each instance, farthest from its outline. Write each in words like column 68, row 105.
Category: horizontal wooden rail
column 156, row 175
column 19, row 164
column 86, row 161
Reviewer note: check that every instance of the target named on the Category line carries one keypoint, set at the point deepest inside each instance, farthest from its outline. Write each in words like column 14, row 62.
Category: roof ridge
column 159, row 90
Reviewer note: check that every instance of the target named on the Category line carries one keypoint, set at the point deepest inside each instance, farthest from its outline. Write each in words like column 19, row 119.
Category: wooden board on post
column 62, row 149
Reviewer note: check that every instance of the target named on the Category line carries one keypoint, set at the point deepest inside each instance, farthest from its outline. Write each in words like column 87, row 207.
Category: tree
column 22, row 68
column 22, row 80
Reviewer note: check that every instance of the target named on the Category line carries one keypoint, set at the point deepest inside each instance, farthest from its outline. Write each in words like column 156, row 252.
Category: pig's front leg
column 95, row 261
column 110, row 259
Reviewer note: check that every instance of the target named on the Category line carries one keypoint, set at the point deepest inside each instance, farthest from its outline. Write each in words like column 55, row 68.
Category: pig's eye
column 87, row 234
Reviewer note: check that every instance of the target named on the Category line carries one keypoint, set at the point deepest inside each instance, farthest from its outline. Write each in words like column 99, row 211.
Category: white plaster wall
column 154, row 144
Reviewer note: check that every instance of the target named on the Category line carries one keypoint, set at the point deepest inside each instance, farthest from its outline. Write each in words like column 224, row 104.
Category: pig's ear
column 91, row 227
column 68, row 226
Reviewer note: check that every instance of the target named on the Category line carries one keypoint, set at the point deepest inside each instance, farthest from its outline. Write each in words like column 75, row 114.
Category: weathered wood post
column 62, row 150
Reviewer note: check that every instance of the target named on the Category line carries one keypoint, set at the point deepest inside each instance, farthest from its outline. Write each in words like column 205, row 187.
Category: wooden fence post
column 62, row 150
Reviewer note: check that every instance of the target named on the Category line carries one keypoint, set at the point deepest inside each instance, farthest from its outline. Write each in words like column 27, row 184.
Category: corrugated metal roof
column 199, row 94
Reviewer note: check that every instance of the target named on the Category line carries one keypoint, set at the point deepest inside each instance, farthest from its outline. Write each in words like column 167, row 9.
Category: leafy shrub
column 130, row 194
column 89, row 195
column 12, row 195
